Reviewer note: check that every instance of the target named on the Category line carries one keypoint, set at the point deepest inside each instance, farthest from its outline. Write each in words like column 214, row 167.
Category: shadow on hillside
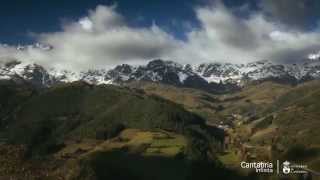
column 120, row 165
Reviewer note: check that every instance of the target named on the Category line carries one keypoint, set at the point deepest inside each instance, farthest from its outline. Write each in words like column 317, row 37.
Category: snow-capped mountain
column 157, row 70
column 36, row 74
column 259, row 70
column 206, row 76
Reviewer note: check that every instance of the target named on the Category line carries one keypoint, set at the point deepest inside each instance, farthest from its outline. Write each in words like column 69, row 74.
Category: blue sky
column 101, row 33
column 22, row 18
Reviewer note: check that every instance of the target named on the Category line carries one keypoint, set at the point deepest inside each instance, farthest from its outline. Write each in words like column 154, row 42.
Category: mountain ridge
column 208, row 76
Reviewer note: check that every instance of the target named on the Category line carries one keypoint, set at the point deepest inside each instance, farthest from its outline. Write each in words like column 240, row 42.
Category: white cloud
column 100, row 40
column 104, row 39
column 86, row 23
column 225, row 37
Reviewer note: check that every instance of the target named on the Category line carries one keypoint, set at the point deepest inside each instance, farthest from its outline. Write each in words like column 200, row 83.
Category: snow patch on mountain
column 182, row 76
column 314, row 56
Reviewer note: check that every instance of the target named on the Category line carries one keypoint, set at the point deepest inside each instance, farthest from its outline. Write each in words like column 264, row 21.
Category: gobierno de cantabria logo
column 292, row 168
column 286, row 167
column 268, row 167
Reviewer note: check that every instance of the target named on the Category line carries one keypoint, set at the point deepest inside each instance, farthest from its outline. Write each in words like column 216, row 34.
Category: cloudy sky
column 101, row 34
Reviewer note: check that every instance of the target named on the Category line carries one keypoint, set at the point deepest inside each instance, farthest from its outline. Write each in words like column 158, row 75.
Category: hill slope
column 80, row 110
column 81, row 127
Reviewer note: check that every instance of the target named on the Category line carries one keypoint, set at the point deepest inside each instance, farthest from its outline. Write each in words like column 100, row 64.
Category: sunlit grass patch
column 229, row 158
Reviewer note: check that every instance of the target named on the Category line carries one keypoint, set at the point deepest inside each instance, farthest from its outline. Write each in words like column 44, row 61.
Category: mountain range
column 207, row 76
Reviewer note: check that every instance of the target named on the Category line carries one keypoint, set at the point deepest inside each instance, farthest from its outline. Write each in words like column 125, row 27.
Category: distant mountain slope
column 297, row 114
column 281, row 120
column 12, row 96
column 249, row 101
column 200, row 102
